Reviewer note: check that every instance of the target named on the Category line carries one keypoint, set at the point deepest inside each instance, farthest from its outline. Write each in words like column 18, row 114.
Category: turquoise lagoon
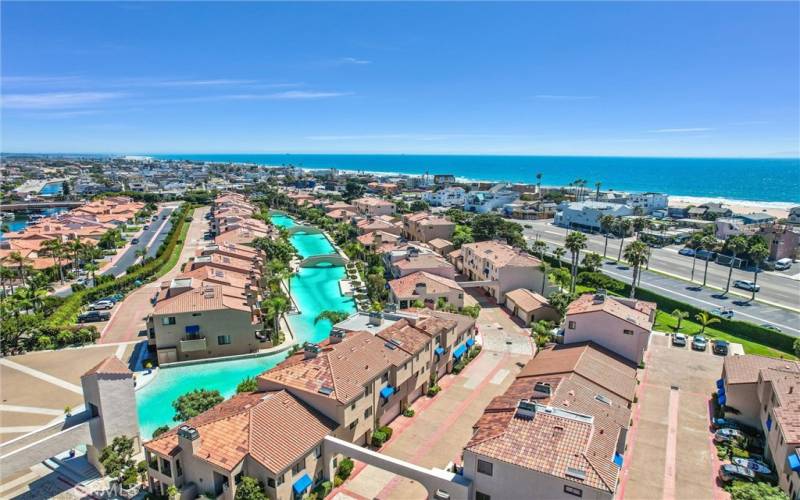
column 314, row 289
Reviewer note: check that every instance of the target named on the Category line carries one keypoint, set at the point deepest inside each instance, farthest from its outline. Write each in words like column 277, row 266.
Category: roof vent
column 574, row 473
column 375, row 319
column 599, row 296
column 526, row 410
column 311, row 350
column 337, row 335
column 188, row 432
column 326, row 390
column 603, row 399
column 543, row 387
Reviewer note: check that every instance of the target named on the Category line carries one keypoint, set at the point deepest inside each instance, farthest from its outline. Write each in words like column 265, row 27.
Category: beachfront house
column 490, row 200
column 446, row 197
column 585, row 215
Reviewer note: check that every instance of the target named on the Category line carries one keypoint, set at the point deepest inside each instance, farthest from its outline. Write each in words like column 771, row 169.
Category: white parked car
column 102, row 304
column 746, row 285
column 783, row 264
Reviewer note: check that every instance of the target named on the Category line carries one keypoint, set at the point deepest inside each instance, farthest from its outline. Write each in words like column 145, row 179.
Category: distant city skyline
column 593, row 79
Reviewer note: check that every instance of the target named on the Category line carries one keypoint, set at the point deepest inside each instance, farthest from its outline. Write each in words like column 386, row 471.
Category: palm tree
column 332, row 316
column 539, row 247
column 606, row 224
column 736, row 244
column 545, row 268
column 575, row 242
column 680, row 316
column 592, row 261
column 639, row 224
column 91, row 268
column 76, row 247
column 708, row 243
column 695, row 243
column 758, row 253
column 624, row 226
column 55, row 248
column 539, row 184
column 21, row 263
column 636, row 255
column 597, row 190
column 6, row 274
column 141, row 253
column 705, row 320
column 558, row 253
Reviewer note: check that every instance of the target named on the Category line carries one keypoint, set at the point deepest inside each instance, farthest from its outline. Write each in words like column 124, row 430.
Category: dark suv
column 720, row 347
column 94, row 316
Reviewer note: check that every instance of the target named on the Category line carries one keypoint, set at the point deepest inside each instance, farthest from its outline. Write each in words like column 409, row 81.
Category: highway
column 779, row 291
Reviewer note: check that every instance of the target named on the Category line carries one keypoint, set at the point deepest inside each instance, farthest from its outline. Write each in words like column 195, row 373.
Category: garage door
column 390, row 411
column 414, row 395
column 441, row 370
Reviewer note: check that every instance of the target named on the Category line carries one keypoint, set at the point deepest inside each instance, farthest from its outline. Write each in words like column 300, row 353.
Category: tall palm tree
column 623, row 225
column 636, row 255
column 639, row 224
column 558, row 253
column 736, row 244
column 21, row 263
column 606, row 224
column 575, row 242
column 758, row 253
column 539, row 184
column 597, row 190
column 539, row 247
column 76, row 248
column 705, row 320
column 91, row 268
column 707, row 243
column 6, row 274
column 55, row 248
column 544, row 267
column 695, row 243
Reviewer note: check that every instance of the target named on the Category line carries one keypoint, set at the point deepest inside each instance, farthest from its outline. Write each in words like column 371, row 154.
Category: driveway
column 670, row 454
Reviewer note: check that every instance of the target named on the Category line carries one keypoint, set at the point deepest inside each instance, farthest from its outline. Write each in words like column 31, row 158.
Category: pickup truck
column 94, row 316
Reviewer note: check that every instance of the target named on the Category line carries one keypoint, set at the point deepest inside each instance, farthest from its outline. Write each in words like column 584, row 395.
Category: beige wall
column 607, row 330
column 743, row 397
column 455, row 297
column 373, row 210
column 212, row 324
column 542, row 313
column 420, row 231
column 510, row 481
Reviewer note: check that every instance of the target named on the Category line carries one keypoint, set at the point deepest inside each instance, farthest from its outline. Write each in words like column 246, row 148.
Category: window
column 280, row 480
column 485, row 467
column 168, row 320
column 299, row 466
column 368, row 390
column 571, row 325
column 627, row 332
column 573, row 491
column 178, row 468
column 270, row 482
column 223, row 339
column 318, row 451
column 197, row 314
column 367, row 413
column 482, row 496
column 353, row 406
column 385, row 377
column 353, row 424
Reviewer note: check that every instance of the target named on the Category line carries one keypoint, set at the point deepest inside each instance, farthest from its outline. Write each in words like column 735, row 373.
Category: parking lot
column 670, row 452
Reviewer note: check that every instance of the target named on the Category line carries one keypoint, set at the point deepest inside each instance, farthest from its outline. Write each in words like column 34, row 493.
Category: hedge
column 66, row 314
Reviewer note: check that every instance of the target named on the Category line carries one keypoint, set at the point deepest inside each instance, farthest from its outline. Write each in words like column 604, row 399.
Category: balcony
column 194, row 344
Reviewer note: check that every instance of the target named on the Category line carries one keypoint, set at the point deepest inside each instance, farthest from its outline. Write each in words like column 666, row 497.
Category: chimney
column 310, row 350
column 599, row 296
column 377, row 239
column 420, row 289
column 337, row 335
column 189, row 439
column 375, row 319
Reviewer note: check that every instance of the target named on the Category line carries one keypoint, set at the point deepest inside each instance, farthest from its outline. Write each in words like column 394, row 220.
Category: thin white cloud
column 680, row 130
column 56, row 100
column 409, row 137
column 202, row 83
column 556, row 97
column 39, row 80
column 353, row 60
column 299, row 95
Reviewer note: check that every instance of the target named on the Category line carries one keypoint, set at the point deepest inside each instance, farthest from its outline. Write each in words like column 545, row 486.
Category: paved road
column 150, row 239
column 708, row 299
column 776, row 287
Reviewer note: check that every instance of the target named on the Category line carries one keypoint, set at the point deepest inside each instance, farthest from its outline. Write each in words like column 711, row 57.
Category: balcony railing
column 192, row 345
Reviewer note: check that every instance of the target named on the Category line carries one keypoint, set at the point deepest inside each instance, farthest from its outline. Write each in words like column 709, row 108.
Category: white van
column 783, row 264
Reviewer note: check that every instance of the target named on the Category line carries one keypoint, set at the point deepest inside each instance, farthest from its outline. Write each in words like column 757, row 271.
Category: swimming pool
column 314, row 289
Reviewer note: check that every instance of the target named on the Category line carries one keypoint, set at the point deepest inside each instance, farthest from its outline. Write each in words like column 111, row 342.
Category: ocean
column 775, row 180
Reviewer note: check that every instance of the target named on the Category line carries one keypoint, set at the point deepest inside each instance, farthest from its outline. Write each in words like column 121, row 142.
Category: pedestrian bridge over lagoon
column 333, row 259
column 303, row 229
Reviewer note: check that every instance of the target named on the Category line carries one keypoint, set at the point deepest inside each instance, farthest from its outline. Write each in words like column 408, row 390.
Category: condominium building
column 445, row 197
column 618, row 324
column 374, row 206
column 415, row 261
column 425, row 227
column 502, row 268
column 586, row 214
column 530, row 307
column 487, row 201
column 383, row 223
column 559, row 431
column 763, row 393
column 427, row 288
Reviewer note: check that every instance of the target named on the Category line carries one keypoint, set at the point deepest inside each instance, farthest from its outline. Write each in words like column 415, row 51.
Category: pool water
column 314, row 289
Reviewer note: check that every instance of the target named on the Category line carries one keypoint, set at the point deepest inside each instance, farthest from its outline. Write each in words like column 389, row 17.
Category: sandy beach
column 777, row 209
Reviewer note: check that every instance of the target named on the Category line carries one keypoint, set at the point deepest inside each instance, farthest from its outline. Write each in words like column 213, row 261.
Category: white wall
column 607, row 330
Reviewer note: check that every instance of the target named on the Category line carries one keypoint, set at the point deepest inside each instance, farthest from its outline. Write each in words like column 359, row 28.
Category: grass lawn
column 665, row 322
column 176, row 253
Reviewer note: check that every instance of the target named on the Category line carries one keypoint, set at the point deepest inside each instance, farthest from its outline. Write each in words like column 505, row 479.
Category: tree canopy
column 194, row 403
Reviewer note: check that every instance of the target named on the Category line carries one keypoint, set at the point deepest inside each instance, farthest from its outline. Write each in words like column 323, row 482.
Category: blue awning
column 387, row 392
column 721, row 391
column 193, row 329
column 794, row 461
column 439, row 350
column 470, row 342
column 302, row 484
column 769, row 423
column 459, row 351
column 720, row 384
column 721, row 399
column 618, row 460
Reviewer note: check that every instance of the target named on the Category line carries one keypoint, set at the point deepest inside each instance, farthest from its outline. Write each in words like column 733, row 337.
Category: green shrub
column 345, row 468
column 739, row 453
column 386, row 430
column 378, row 439
column 433, row 390
column 323, row 489
column 408, row 412
column 337, row 481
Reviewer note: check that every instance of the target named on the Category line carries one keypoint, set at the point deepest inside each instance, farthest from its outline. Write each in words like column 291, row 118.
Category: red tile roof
column 638, row 315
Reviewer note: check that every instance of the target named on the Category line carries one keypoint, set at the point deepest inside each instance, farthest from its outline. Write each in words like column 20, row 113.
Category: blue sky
column 653, row 79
